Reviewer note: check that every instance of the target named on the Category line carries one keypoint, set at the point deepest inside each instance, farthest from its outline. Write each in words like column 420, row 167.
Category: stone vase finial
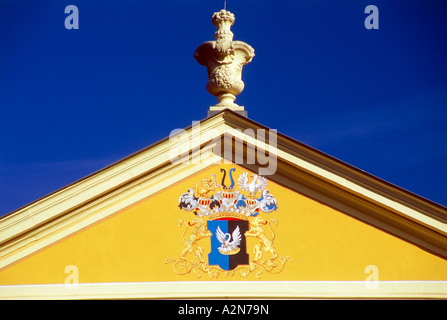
column 224, row 59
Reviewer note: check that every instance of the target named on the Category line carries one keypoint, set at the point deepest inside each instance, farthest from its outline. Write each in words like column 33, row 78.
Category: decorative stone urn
column 224, row 59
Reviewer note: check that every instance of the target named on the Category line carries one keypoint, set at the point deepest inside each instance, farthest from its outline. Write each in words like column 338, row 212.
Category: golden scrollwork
column 265, row 255
column 190, row 244
column 266, row 258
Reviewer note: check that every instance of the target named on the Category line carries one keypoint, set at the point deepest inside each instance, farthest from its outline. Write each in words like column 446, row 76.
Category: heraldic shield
column 228, row 243
column 228, row 214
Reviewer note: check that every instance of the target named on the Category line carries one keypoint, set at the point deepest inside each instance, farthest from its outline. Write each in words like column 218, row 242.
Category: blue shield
column 228, row 243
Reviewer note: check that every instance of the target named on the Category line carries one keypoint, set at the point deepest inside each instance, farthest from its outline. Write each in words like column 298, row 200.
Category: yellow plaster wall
column 132, row 245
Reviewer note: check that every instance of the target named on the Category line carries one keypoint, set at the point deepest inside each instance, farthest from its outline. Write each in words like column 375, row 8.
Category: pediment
column 324, row 221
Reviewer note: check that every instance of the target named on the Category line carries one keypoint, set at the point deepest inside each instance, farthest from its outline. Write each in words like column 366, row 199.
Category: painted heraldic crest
column 226, row 216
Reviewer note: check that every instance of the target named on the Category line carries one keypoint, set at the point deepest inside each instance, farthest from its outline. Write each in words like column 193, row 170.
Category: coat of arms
column 226, row 217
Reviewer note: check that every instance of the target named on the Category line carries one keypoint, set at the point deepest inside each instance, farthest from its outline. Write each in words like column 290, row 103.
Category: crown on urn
column 224, row 59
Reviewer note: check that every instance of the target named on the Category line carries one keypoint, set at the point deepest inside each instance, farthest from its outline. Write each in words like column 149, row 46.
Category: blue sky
column 74, row 101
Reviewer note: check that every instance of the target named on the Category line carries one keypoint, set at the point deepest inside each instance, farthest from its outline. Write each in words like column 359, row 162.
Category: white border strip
column 230, row 289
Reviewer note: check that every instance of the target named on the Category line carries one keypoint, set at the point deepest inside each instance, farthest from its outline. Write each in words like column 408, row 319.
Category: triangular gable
column 317, row 194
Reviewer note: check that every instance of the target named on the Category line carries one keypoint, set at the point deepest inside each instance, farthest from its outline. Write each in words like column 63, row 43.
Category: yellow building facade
column 327, row 230
column 226, row 208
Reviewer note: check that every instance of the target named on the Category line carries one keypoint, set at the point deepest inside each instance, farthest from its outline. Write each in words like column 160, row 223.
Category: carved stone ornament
column 224, row 59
